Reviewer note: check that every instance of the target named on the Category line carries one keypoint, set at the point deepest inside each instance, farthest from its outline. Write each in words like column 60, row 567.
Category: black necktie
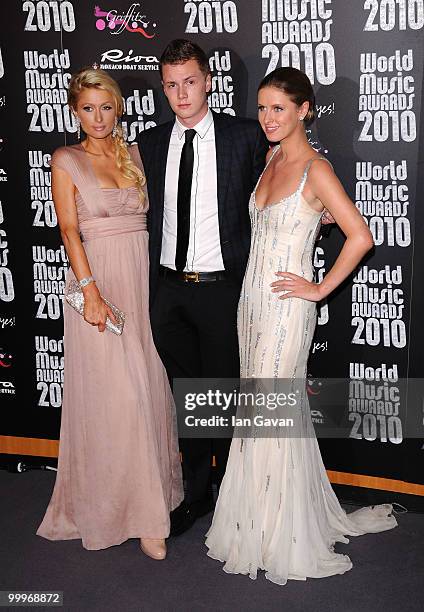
column 183, row 201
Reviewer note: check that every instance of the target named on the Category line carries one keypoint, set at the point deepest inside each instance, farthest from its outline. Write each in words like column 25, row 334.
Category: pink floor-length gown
column 119, row 472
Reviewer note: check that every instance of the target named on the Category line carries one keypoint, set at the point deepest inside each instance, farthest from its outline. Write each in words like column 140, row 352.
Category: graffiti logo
column 5, row 359
column 132, row 20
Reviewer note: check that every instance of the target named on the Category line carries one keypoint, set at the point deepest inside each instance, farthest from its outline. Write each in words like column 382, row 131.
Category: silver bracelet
column 86, row 281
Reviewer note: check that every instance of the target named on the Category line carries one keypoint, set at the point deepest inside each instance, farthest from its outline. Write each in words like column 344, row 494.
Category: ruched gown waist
column 103, row 227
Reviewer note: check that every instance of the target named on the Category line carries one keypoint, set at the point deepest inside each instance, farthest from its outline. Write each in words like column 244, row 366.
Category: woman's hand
column 95, row 309
column 63, row 190
column 296, row 286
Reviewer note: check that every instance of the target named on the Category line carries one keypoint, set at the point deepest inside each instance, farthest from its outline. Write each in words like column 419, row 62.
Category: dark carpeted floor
column 388, row 572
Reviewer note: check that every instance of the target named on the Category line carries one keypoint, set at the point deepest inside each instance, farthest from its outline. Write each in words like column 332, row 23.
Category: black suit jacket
column 241, row 148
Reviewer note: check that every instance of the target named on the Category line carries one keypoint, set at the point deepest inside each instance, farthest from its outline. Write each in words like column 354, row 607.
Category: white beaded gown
column 276, row 509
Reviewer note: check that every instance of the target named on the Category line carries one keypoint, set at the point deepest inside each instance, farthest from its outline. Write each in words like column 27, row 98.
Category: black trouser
column 195, row 331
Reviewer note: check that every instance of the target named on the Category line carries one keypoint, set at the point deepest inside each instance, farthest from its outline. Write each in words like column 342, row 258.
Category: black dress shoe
column 182, row 518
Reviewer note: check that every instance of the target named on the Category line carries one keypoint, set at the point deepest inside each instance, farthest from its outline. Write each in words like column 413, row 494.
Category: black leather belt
column 192, row 277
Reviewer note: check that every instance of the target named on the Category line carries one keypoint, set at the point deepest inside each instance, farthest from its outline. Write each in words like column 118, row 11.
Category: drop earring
column 115, row 128
column 78, row 122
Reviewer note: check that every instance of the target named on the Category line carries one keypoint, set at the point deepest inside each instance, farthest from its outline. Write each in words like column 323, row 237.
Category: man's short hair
column 180, row 51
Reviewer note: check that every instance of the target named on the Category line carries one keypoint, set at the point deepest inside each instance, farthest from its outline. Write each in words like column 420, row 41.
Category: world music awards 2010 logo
column 132, row 20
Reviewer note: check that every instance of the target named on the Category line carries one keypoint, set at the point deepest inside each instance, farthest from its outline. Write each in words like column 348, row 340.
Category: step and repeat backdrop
column 365, row 60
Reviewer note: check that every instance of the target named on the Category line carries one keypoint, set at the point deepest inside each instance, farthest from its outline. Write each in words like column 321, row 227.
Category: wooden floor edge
column 375, row 482
column 37, row 447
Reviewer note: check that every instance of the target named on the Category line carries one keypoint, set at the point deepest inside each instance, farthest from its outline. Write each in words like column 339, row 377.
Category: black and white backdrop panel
column 365, row 60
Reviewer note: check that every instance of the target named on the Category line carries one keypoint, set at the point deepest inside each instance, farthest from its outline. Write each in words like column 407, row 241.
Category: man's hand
column 326, row 218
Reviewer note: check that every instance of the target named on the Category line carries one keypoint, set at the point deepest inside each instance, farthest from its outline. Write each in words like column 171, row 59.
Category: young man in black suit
column 201, row 169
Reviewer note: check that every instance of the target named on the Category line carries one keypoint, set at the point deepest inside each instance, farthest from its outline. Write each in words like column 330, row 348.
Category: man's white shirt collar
column 201, row 128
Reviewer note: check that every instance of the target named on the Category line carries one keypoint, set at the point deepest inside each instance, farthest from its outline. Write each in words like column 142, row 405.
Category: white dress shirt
column 204, row 247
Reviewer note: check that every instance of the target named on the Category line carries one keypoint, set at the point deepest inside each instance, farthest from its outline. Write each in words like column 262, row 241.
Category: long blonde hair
column 99, row 79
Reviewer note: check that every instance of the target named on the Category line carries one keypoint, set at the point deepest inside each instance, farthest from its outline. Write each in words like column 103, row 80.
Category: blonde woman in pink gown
column 119, row 473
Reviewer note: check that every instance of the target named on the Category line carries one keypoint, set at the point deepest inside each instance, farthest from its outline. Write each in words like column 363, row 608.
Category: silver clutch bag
column 75, row 298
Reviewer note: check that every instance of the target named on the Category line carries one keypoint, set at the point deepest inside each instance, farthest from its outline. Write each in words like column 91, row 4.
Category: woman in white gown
column 276, row 509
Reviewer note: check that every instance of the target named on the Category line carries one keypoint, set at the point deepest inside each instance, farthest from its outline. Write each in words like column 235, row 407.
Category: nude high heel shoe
column 156, row 549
